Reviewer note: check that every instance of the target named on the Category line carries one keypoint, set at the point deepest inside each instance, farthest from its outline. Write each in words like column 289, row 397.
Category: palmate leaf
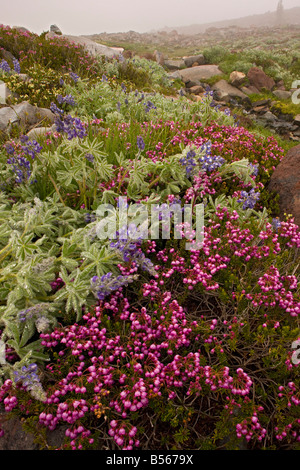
column 74, row 292
column 108, row 197
column 30, row 353
column 99, row 259
column 103, row 168
column 24, row 247
column 90, row 146
column 28, row 332
column 241, row 169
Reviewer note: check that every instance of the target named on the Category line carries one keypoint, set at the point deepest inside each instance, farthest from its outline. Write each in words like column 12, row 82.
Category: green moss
column 286, row 107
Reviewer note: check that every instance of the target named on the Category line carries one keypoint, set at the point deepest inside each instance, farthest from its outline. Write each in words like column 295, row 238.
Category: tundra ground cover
column 141, row 343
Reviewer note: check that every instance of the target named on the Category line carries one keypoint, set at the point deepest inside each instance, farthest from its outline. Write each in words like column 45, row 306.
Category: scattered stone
column 6, row 55
column 297, row 120
column 15, row 438
column 268, row 116
column 38, row 131
column 237, row 78
column 92, row 47
column 260, row 109
column 286, row 182
column 225, row 91
column 196, row 90
column 250, row 90
column 202, row 72
column 5, row 93
column 55, row 29
column 191, row 83
column 282, row 95
column 260, row 80
column 174, row 75
column 261, row 103
column 280, row 85
column 174, row 64
column 159, row 57
column 25, row 115
column 21, row 29
column 195, row 60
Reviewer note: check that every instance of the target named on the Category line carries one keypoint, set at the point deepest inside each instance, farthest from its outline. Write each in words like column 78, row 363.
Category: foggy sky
column 79, row 17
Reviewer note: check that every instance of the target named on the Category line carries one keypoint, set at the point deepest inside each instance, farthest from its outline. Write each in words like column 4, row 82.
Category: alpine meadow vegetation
column 139, row 343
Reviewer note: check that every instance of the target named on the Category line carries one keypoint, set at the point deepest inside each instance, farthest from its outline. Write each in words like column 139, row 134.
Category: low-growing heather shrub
column 57, row 54
column 139, row 343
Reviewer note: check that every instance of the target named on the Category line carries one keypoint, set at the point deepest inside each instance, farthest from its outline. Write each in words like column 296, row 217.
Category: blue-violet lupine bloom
column 106, row 284
column 55, row 110
column 68, row 99
column 90, row 157
column 249, row 199
column 149, row 105
column 208, row 91
column 21, row 168
column 32, row 312
column 128, row 245
column 10, row 149
column 209, row 163
column 32, row 148
column 5, row 66
column 140, row 143
column 88, row 218
column 276, row 223
column 254, row 169
column 74, row 77
column 189, row 162
column 28, row 376
column 17, row 67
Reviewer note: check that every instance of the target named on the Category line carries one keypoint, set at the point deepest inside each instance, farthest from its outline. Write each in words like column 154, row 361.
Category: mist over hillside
column 290, row 16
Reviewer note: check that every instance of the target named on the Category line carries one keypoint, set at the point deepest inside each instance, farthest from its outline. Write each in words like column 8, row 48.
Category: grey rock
column 15, row 438
column 174, row 75
column 198, row 59
column 250, row 90
column 237, row 78
column 25, row 115
column 5, row 93
column 261, row 103
column 38, row 131
column 196, row 90
column 297, row 120
column 175, row 64
column 268, row 116
column 190, row 84
column 159, row 57
column 92, row 47
column 21, row 29
column 201, row 72
column 55, row 29
column 282, row 95
column 6, row 55
column 225, row 91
